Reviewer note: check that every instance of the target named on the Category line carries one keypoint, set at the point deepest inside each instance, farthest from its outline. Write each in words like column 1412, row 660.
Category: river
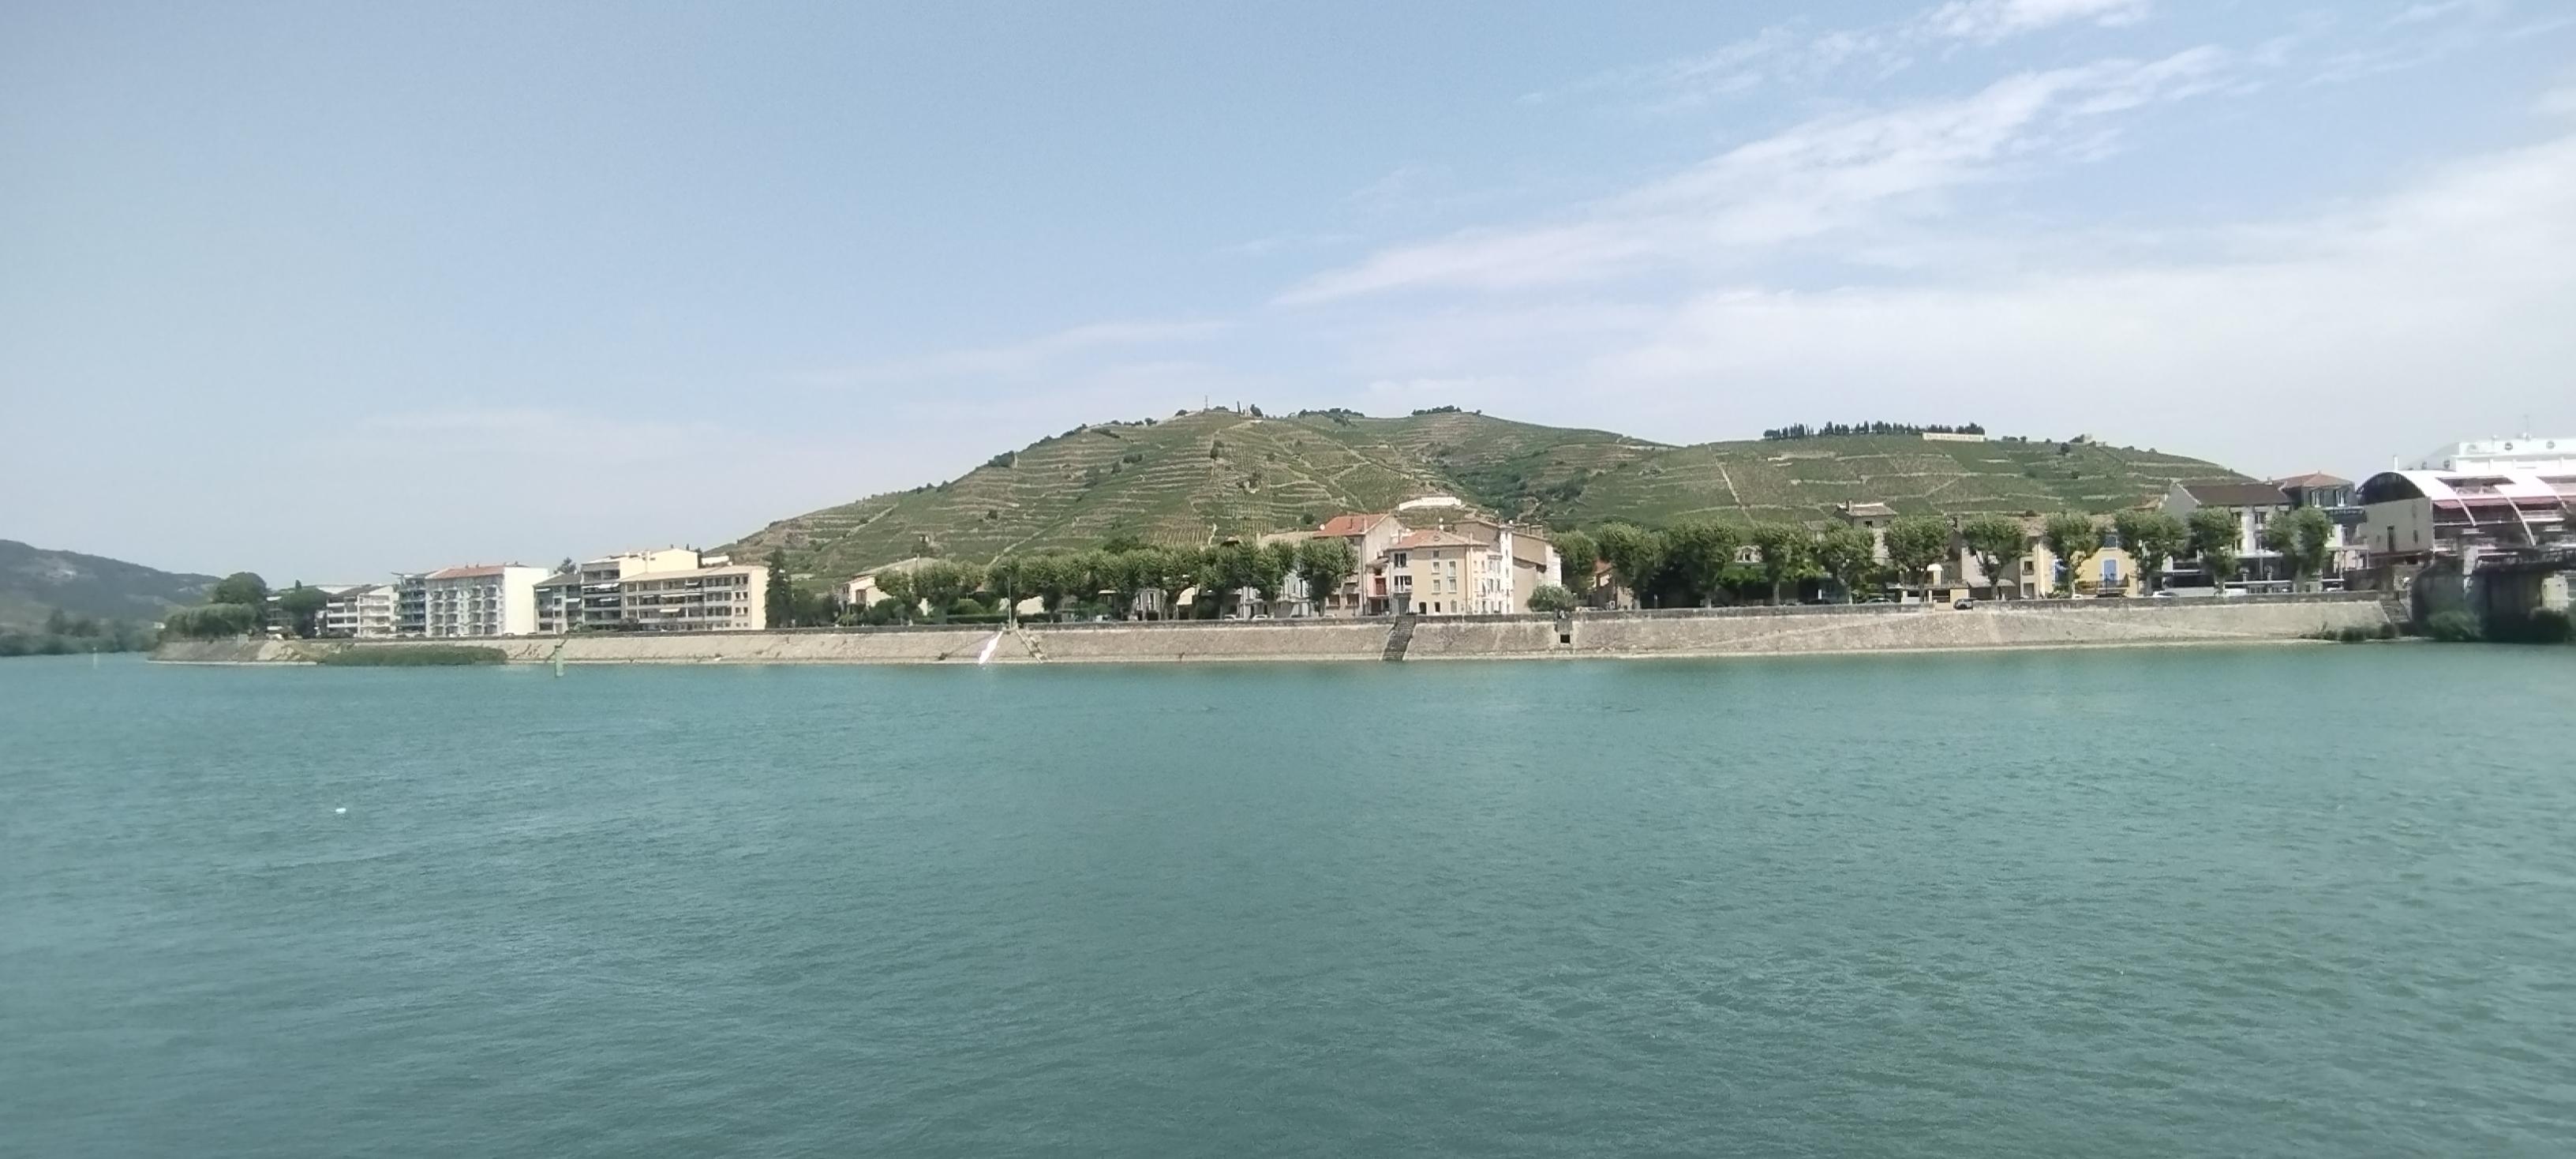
column 2278, row 901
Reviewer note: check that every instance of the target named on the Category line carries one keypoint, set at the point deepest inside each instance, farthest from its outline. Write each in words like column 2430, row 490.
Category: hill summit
column 1214, row 473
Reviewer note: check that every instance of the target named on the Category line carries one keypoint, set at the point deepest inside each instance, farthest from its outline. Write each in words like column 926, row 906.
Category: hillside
column 1218, row 473
column 35, row 581
column 1184, row 479
column 1802, row 479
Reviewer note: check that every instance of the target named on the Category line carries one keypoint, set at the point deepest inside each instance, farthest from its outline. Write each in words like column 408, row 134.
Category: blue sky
column 334, row 290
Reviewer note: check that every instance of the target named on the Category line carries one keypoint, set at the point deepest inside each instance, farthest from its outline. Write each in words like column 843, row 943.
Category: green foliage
column 2454, row 626
column 1849, row 555
column 302, row 607
column 1696, row 556
column 2304, row 539
column 1270, row 569
column 241, row 587
column 1551, row 599
column 2073, row 539
column 1995, row 541
column 1326, row 563
column 72, row 635
column 2215, row 535
column 2543, row 626
column 1788, row 555
column 1577, row 554
column 1635, row 555
column 212, row 622
column 2151, row 538
column 411, row 656
column 778, row 600
column 1915, row 545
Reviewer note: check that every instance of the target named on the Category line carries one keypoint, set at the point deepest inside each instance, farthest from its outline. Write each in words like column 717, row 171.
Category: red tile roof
column 1347, row 525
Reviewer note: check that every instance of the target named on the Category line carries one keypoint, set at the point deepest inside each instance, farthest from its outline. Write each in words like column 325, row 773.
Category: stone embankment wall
column 1715, row 632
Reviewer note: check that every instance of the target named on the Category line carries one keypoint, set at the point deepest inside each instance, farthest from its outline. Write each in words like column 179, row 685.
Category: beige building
column 480, row 600
column 730, row 598
column 1528, row 557
column 1367, row 591
column 589, row 596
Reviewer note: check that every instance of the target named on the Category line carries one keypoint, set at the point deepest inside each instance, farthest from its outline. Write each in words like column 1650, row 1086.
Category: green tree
column 1009, row 580
column 902, row 598
column 1696, row 555
column 1849, row 555
column 58, row 623
column 212, row 621
column 2151, row 538
column 2304, row 539
column 1271, row 565
column 1326, row 563
column 1577, row 554
column 2072, row 537
column 1995, row 541
column 2215, row 536
column 1915, row 545
column 1550, row 599
column 1787, row 554
column 941, row 583
column 241, row 587
column 778, row 600
column 1635, row 555
column 302, row 607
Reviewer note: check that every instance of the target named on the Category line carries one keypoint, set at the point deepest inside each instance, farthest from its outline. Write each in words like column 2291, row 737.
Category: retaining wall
column 1713, row 632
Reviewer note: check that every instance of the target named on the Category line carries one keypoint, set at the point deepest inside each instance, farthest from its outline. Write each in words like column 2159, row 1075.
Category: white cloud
column 1833, row 173
column 2328, row 341
column 1991, row 20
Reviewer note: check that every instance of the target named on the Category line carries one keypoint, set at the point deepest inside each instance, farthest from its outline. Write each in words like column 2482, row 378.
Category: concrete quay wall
column 1713, row 632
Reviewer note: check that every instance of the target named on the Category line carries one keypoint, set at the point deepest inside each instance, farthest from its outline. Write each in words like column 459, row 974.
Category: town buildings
column 2253, row 506
column 591, row 595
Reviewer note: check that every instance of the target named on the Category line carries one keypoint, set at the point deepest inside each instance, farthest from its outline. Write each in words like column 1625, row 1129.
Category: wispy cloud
column 1992, row 20
column 2452, row 284
column 1824, row 175
column 1795, row 54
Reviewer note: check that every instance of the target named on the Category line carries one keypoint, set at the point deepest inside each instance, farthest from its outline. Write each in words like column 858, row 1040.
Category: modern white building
column 480, row 600
column 2525, row 455
column 360, row 612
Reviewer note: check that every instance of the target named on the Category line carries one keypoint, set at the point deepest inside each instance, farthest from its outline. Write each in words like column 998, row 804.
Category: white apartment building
column 360, row 612
column 730, row 598
column 482, row 600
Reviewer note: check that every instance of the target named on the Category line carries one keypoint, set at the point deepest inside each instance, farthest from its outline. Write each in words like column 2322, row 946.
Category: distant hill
column 34, row 581
column 1218, row 473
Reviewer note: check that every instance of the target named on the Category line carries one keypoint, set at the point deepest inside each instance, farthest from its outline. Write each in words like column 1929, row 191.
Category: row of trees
column 64, row 634
column 1704, row 563
column 1830, row 430
column 1108, row 579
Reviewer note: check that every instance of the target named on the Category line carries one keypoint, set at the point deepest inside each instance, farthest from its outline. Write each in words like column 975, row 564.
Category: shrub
column 2540, row 627
column 2355, row 635
column 2453, row 626
column 413, row 656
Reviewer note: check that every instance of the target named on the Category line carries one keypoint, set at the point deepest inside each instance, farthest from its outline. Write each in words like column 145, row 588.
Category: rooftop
column 1350, row 524
column 1422, row 539
column 2311, row 479
column 2236, row 494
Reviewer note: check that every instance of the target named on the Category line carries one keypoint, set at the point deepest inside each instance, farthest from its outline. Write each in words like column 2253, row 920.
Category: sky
column 328, row 291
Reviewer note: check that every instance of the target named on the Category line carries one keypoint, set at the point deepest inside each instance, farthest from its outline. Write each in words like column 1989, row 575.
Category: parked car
column 1963, row 605
column 2162, row 596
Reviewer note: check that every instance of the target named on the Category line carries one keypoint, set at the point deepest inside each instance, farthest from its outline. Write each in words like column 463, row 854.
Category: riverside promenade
column 1678, row 633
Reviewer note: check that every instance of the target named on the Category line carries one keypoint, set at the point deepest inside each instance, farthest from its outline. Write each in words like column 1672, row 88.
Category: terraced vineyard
column 1802, row 479
column 1217, row 473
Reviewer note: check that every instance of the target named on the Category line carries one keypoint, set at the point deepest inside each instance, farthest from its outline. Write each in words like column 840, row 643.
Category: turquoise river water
column 2304, row 901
